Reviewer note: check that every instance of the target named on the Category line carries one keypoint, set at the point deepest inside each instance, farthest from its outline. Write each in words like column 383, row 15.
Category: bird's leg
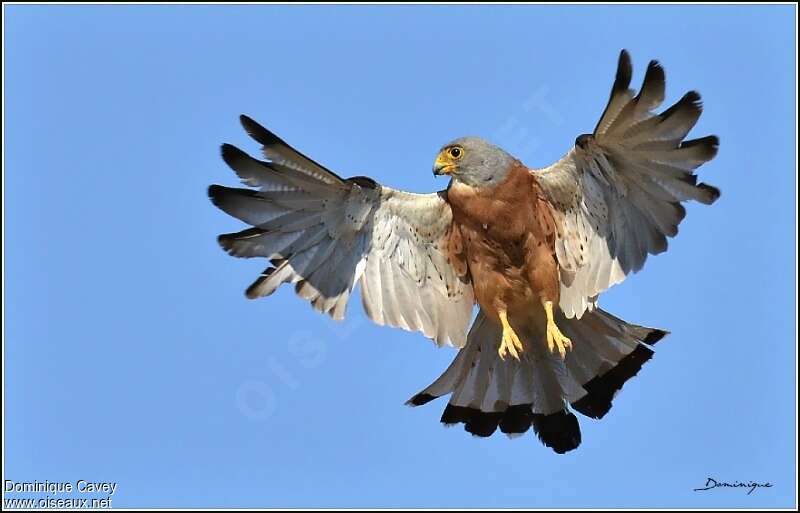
column 510, row 342
column 555, row 339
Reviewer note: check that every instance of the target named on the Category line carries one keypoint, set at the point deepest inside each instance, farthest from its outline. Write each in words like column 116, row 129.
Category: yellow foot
column 510, row 342
column 555, row 339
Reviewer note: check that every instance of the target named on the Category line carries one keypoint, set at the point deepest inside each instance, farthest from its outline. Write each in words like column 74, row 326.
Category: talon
column 555, row 339
column 510, row 342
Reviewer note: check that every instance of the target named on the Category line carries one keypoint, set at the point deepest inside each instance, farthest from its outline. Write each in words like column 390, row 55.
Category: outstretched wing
column 324, row 234
column 616, row 196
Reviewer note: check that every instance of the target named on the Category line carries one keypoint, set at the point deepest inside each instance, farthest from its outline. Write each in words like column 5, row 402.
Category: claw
column 556, row 341
column 510, row 343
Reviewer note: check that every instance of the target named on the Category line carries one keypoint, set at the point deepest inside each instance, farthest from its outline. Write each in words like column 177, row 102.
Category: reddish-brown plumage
column 504, row 236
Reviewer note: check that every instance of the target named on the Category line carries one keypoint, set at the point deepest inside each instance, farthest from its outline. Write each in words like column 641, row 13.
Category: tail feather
column 540, row 391
column 516, row 419
column 600, row 390
column 559, row 431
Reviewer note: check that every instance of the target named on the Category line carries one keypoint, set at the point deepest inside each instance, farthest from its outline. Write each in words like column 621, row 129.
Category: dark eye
column 456, row 152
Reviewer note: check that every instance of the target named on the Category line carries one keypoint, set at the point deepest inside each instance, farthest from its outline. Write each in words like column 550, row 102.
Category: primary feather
column 324, row 234
column 617, row 194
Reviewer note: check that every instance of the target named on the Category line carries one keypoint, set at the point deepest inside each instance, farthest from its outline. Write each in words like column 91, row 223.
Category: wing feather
column 324, row 234
column 616, row 196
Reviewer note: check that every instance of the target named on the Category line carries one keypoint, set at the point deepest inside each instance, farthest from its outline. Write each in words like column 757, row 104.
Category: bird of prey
column 534, row 248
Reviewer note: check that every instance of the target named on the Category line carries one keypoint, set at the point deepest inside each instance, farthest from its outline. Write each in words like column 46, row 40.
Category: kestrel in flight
column 534, row 248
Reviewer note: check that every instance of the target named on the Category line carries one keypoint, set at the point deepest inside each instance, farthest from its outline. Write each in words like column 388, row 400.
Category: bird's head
column 473, row 161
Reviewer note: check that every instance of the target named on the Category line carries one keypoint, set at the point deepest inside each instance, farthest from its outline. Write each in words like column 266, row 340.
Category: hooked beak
column 442, row 166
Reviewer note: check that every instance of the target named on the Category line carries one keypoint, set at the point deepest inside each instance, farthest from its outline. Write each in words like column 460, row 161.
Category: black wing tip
column 247, row 121
column 622, row 82
column 231, row 154
column 229, row 149
column 712, row 193
column 420, row 399
column 693, row 95
column 624, row 71
column 215, row 192
column 225, row 238
column 254, row 290
column 227, row 241
column 692, row 99
column 256, row 131
column 655, row 75
column 624, row 58
column 225, row 198
column 654, row 336
column 654, row 65
column 655, row 71
column 709, row 143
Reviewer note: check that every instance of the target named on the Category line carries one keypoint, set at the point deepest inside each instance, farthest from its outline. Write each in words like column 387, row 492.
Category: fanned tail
column 540, row 391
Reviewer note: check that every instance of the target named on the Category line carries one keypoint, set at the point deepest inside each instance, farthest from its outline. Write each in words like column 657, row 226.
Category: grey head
column 473, row 161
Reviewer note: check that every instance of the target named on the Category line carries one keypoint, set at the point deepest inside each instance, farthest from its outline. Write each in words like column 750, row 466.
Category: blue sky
column 131, row 354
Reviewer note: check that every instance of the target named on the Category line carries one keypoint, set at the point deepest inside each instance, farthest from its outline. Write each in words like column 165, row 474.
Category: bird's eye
column 456, row 152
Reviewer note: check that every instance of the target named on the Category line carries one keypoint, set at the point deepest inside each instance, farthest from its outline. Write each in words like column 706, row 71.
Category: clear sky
column 132, row 355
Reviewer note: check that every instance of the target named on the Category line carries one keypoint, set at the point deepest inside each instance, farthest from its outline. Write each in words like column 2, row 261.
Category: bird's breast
column 501, row 213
